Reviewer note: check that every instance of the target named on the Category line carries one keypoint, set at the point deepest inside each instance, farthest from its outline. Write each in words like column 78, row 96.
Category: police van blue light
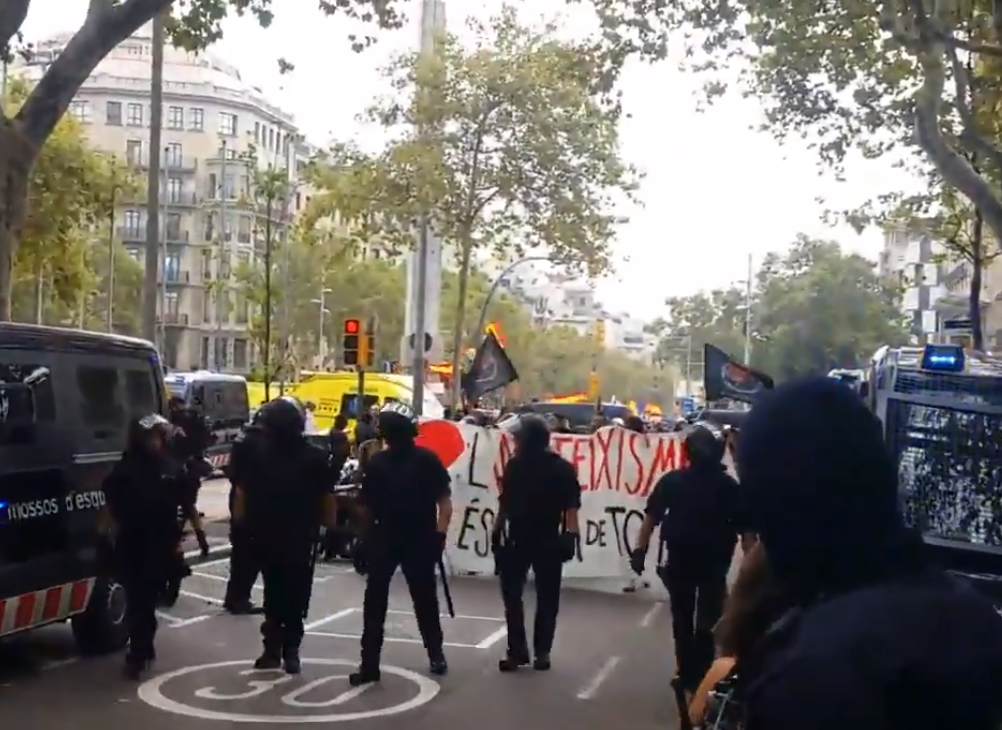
column 943, row 358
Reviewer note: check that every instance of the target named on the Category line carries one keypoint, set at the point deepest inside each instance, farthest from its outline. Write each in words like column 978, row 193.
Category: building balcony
column 181, row 278
column 171, row 164
column 132, row 234
column 167, row 200
column 178, row 236
column 173, row 319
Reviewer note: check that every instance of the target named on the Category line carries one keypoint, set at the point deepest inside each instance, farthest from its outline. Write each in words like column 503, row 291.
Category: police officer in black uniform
column 283, row 505
column 698, row 511
column 536, row 527
column 405, row 504
column 144, row 493
column 244, row 564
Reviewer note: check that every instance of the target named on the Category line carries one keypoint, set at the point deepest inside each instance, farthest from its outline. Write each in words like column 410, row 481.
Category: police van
column 66, row 399
column 223, row 401
column 941, row 408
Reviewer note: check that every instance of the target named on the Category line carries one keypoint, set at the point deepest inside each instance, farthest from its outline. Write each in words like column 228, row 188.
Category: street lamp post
column 748, row 295
column 324, row 312
column 482, row 321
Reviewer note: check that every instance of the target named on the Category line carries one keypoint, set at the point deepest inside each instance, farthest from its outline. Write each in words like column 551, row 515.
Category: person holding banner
column 536, row 527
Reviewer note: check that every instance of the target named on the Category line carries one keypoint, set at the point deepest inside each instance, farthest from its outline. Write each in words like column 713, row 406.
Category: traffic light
column 351, row 342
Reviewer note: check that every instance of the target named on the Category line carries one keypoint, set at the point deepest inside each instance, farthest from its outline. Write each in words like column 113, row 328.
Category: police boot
column 513, row 660
column 135, row 665
column 364, row 675
column 437, row 664
column 542, row 662
column 271, row 657
column 290, row 657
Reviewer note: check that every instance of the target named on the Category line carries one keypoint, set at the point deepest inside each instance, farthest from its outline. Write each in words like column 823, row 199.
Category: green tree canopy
column 813, row 308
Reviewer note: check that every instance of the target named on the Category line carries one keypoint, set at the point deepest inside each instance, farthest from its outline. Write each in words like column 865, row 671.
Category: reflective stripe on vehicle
column 46, row 606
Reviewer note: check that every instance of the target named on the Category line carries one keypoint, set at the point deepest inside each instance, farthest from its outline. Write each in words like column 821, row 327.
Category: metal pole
column 153, row 181
column 320, row 332
column 221, row 254
column 286, row 274
column 482, row 321
column 163, row 257
column 748, row 293
column 110, row 314
column 688, row 366
column 267, row 296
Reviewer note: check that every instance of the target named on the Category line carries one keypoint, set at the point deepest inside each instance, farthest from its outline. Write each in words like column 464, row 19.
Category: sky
column 715, row 190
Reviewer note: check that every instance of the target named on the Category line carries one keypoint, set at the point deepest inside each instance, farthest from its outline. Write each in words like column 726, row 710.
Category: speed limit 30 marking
column 260, row 683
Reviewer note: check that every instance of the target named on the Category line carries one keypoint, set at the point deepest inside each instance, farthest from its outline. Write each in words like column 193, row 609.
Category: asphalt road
column 612, row 666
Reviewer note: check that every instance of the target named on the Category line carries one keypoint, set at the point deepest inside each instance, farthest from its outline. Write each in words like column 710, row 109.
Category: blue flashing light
column 943, row 358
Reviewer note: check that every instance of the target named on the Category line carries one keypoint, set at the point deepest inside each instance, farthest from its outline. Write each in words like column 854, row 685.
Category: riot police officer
column 405, row 505
column 283, row 504
column 144, row 493
column 244, row 564
column 536, row 527
column 698, row 511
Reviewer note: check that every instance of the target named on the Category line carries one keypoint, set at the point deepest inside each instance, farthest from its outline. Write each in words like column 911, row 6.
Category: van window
column 26, row 398
column 140, row 393
column 100, row 404
column 349, row 402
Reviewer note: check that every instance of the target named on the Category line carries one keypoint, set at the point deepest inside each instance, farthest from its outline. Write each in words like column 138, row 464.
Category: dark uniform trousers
column 697, row 588
column 547, row 569
column 244, row 566
column 287, row 573
column 143, row 569
column 418, row 566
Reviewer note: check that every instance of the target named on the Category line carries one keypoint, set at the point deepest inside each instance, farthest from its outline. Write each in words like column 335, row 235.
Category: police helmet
column 396, row 418
column 531, row 433
column 283, row 415
column 142, row 429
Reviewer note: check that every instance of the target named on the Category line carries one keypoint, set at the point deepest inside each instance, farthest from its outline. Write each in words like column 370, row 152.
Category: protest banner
column 617, row 470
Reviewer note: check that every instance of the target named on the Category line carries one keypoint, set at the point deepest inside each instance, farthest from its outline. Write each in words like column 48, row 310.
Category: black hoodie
column 884, row 640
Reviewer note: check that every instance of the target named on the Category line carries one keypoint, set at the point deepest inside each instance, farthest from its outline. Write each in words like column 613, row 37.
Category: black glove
column 638, row 556
column 568, row 546
column 358, row 561
column 203, row 542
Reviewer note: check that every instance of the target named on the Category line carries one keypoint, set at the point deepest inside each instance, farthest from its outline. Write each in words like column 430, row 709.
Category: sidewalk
column 213, row 500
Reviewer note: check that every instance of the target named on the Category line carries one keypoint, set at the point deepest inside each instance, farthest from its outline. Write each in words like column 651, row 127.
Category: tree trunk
column 457, row 332
column 17, row 155
column 978, row 263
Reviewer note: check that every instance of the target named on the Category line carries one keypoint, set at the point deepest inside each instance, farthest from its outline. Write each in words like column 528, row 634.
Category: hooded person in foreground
column 878, row 637
column 405, row 504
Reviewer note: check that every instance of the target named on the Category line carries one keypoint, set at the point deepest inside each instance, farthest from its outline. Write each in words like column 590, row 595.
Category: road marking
column 445, row 615
column 172, row 620
column 57, row 663
column 493, row 638
column 210, row 563
column 152, row 693
column 390, row 639
column 604, row 672
column 327, row 619
column 222, row 579
column 649, row 617
column 193, row 620
column 200, row 597
column 192, row 554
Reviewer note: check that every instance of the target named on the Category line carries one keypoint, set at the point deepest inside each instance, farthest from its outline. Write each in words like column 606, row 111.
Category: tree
column 24, row 130
column 505, row 146
column 870, row 77
column 813, row 309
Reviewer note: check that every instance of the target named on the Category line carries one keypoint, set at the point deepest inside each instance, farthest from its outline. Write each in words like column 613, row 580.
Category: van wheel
column 101, row 628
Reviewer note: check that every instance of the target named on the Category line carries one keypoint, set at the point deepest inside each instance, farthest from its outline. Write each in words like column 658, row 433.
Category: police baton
column 445, row 588
column 317, row 544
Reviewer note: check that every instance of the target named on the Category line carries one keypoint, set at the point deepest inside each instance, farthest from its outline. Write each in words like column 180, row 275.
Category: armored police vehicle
column 222, row 400
column 942, row 413
column 66, row 400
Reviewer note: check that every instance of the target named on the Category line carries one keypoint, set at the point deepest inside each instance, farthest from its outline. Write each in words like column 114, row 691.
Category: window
column 140, row 393
column 175, row 117
column 243, row 229
column 134, row 115
column 174, row 191
column 113, row 113
column 271, row 138
column 135, row 254
column 220, row 352
column 224, row 265
column 350, row 400
column 242, row 307
column 26, row 398
column 172, row 155
column 230, row 187
column 171, row 300
column 134, row 151
column 257, row 132
column 239, row 354
column 228, row 124
column 196, row 119
column 204, row 352
column 207, row 265
column 133, row 222
column 173, row 226
column 81, row 111
column 100, row 404
column 213, row 184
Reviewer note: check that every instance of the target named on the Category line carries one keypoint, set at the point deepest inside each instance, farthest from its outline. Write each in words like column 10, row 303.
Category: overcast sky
column 715, row 191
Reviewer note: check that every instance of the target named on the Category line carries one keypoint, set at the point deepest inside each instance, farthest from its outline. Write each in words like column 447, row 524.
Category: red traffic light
column 352, row 327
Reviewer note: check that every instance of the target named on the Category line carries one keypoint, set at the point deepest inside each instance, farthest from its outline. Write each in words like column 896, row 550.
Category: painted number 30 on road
column 290, row 692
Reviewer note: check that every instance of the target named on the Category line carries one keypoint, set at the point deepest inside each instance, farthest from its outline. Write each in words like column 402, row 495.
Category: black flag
column 725, row 377
column 491, row 369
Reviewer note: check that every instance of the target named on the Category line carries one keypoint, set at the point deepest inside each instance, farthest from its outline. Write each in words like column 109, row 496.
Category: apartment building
column 912, row 260
column 216, row 128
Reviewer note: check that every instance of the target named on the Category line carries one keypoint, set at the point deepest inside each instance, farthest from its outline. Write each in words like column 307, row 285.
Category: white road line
column 172, row 620
column 200, row 597
column 389, row 639
column 193, row 620
column 604, row 672
column 57, row 663
column 327, row 619
column 212, row 549
column 493, row 638
column 210, row 563
column 445, row 615
column 649, row 617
